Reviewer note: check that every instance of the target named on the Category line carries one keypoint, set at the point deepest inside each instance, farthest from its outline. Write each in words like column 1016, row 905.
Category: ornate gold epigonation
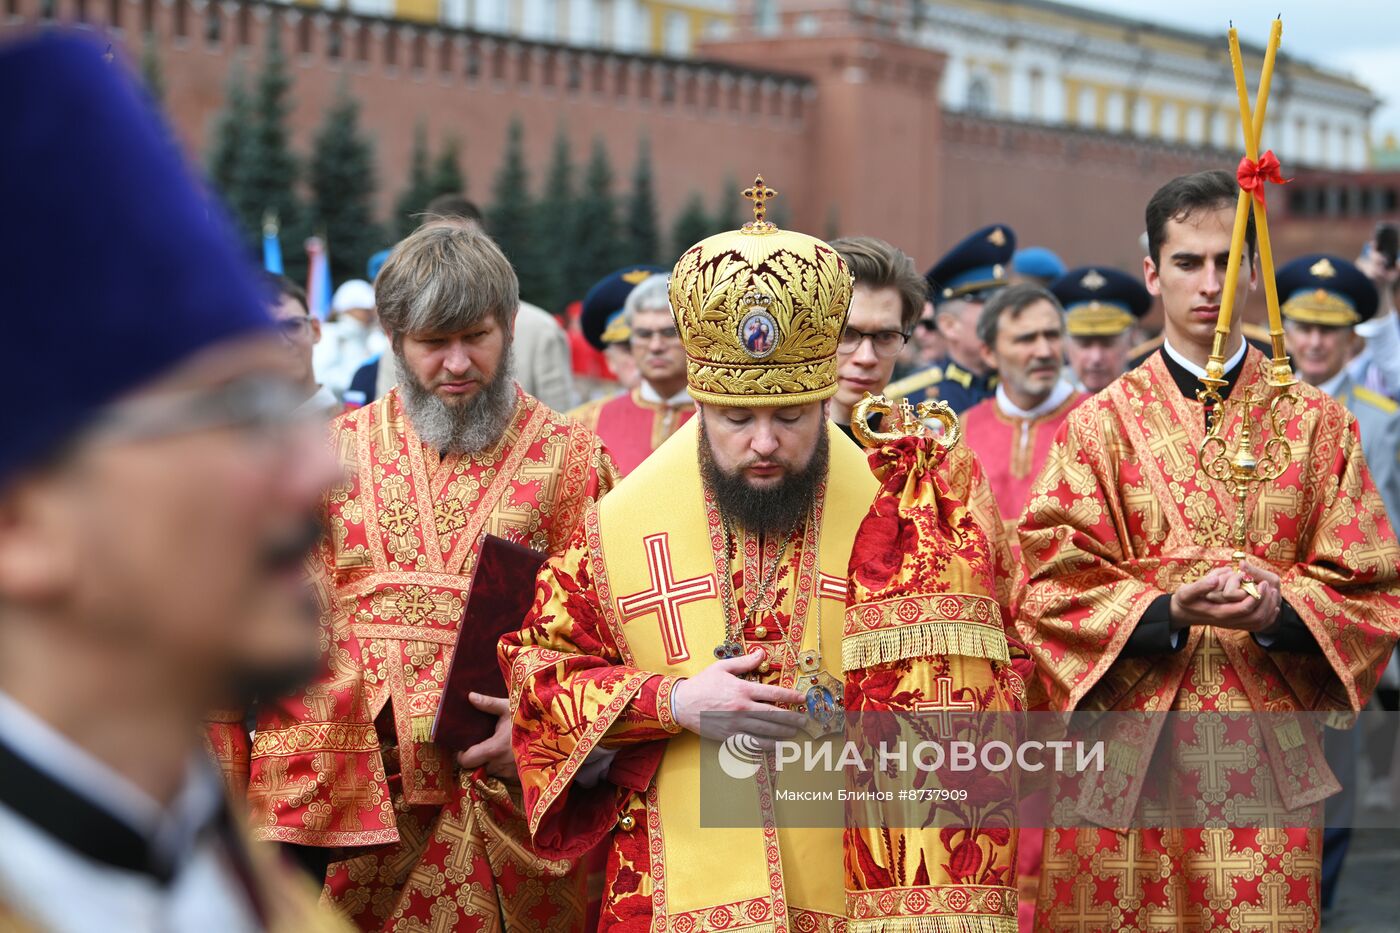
column 759, row 194
column 903, row 420
column 1246, row 466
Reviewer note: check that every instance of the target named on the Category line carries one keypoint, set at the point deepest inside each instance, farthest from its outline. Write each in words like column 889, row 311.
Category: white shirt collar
column 1333, row 387
column 1199, row 371
column 1062, row 391
column 169, row 830
column 679, row 400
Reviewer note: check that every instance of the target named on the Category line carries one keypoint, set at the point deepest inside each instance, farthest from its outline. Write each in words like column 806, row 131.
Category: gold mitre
column 760, row 311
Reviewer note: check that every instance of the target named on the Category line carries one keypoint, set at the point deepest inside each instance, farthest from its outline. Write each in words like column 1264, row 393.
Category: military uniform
column 1330, row 292
column 1100, row 302
column 970, row 271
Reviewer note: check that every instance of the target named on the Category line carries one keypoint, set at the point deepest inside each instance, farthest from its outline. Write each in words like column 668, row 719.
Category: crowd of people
column 225, row 643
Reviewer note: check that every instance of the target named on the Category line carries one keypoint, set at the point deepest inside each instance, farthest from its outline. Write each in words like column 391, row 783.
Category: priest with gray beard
column 344, row 771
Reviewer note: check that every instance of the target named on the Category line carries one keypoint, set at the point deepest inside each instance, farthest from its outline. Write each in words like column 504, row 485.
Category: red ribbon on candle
column 1252, row 175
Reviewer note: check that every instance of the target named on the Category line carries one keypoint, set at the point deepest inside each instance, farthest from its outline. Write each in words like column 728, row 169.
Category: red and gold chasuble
column 634, row 605
column 1122, row 514
column 348, row 762
column 632, row 427
column 1012, row 450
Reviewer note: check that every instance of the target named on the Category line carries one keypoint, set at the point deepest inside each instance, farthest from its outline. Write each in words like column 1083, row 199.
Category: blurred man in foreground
column 155, row 504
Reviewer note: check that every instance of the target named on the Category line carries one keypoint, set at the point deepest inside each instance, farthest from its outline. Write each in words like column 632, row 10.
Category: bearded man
column 345, row 770
column 714, row 582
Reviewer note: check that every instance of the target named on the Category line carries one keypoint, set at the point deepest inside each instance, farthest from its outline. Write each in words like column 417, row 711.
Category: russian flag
column 318, row 278
column 272, row 246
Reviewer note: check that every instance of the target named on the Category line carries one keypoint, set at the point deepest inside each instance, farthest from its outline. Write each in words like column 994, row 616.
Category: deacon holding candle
column 1136, row 599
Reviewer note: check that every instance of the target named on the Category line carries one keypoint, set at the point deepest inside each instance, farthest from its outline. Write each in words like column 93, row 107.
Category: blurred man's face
column 1190, row 276
column 764, row 464
column 874, row 311
column 622, row 364
column 1097, row 361
column 174, row 531
column 657, row 349
column 366, row 316
column 1028, row 352
column 927, row 338
column 1318, row 351
column 957, row 322
column 301, row 332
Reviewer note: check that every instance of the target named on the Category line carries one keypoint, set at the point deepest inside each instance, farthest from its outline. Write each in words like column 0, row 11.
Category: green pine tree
column 265, row 172
column 642, row 234
column 511, row 220
column 229, row 127
column 150, row 69
column 419, row 191
column 692, row 225
column 833, row 223
column 555, row 231
column 600, row 245
column 730, row 213
column 447, row 177
column 342, row 189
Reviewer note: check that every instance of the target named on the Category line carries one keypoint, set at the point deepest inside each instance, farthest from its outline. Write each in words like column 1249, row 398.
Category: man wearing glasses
column 635, row 423
column 301, row 331
column 886, row 302
column 157, row 497
column 885, row 306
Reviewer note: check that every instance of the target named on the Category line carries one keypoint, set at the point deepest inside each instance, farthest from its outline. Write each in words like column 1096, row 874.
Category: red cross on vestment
column 666, row 596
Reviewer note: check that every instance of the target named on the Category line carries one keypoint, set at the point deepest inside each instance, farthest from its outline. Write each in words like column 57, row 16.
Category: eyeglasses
column 886, row 343
column 641, row 335
column 293, row 327
column 260, row 406
column 927, row 323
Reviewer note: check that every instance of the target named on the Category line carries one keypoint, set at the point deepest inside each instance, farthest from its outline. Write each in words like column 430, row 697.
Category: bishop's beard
column 468, row 428
column 778, row 510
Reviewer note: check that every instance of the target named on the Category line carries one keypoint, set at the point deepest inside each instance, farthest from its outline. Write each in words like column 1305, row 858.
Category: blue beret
column 117, row 267
column 602, row 306
column 979, row 264
column 1327, row 290
column 1099, row 301
column 376, row 262
column 1038, row 262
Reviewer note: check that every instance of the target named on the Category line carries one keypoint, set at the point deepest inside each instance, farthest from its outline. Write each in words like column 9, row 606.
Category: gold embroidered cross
column 760, row 194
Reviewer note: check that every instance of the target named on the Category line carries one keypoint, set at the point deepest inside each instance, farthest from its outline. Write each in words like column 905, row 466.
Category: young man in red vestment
column 1136, row 603
column 635, row 423
column 1022, row 330
column 345, row 770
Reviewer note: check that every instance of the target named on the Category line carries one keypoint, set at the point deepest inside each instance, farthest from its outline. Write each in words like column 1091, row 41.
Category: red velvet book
column 503, row 587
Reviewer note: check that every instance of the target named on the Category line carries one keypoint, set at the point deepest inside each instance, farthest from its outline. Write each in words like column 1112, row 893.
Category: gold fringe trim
column 944, row 923
column 922, row 640
column 422, row 728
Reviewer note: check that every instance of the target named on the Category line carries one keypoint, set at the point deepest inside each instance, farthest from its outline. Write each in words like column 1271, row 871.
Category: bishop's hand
column 1219, row 599
column 718, row 703
column 495, row 753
